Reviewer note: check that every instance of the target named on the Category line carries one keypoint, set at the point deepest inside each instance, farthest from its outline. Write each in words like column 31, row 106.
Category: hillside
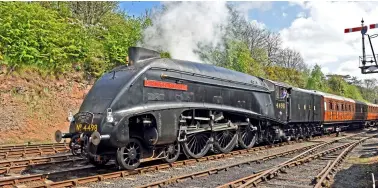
column 33, row 107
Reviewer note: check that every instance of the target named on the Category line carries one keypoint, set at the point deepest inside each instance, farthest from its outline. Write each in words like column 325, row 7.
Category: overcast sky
column 315, row 29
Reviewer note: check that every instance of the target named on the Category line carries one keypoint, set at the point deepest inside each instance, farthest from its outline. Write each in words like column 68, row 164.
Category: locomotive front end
column 95, row 128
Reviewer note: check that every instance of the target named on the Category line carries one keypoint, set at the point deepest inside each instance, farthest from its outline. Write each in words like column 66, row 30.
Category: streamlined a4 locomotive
column 158, row 108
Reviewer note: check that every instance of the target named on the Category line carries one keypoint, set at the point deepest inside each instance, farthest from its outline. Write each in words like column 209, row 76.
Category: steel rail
column 6, row 149
column 253, row 180
column 21, row 168
column 37, row 177
column 331, row 169
column 22, row 146
column 124, row 173
column 39, row 160
column 224, row 168
column 33, row 152
column 317, row 177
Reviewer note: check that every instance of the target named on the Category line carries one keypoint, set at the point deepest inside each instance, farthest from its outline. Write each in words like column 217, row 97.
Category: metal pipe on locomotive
column 156, row 108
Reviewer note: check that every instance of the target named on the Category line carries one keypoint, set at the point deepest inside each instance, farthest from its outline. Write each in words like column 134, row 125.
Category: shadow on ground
column 357, row 175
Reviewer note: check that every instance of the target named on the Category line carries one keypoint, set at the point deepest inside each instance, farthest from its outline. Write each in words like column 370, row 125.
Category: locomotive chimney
column 137, row 53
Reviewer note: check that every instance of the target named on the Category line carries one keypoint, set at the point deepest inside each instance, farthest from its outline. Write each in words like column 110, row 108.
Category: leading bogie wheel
column 172, row 152
column 75, row 147
column 129, row 156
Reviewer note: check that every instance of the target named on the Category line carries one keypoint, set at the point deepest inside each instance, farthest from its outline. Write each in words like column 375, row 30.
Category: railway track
column 22, row 146
column 40, row 178
column 262, row 171
column 19, row 166
column 300, row 172
column 31, row 152
column 61, row 179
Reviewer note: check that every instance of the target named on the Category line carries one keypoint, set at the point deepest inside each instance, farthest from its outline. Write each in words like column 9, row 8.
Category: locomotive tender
column 156, row 108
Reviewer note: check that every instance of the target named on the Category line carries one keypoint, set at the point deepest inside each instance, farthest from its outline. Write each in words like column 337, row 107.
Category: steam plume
column 181, row 26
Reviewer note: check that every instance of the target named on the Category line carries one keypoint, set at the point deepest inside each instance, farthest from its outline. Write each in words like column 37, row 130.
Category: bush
column 31, row 35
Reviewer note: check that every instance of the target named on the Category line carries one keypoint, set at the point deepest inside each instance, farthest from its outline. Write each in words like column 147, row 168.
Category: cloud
column 301, row 15
column 320, row 35
column 298, row 3
column 325, row 70
column 245, row 7
column 284, row 14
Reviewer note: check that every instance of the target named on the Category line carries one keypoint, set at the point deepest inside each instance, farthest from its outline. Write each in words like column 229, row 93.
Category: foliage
column 33, row 36
column 165, row 55
column 317, row 80
column 240, row 59
column 340, row 87
column 287, row 75
column 54, row 37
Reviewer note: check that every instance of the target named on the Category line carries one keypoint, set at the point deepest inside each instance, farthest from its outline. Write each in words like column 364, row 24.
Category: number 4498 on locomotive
column 158, row 108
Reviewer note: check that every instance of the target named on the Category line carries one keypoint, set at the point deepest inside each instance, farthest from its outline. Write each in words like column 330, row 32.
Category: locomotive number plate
column 85, row 127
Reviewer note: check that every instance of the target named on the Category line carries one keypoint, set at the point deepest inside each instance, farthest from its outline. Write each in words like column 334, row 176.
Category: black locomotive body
column 162, row 106
column 158, row 108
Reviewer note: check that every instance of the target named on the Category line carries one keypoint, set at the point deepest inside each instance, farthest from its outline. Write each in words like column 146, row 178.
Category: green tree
column 31, row 35
column 286, row 75
column 238, row 57
column 317, row 80
column 92, row 12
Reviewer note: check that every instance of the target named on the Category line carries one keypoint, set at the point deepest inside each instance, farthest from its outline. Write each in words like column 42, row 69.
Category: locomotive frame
column 159, row 108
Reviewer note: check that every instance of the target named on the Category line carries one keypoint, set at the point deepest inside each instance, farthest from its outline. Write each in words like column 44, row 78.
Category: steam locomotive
column 157, row 108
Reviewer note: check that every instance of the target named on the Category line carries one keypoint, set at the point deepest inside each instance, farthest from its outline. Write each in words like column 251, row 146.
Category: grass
column 358, row 160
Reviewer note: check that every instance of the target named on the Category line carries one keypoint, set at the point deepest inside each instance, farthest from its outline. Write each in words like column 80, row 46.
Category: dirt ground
column 357, row 169
column 33, row 107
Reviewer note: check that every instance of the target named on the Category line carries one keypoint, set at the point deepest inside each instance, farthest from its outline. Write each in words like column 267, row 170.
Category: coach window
column 350, row 108
column 330, row 106
column 337, row 107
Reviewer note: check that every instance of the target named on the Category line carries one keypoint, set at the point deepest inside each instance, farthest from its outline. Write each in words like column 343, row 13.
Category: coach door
column 282, row 97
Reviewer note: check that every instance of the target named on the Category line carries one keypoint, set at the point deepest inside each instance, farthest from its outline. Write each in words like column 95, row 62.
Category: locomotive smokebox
column 137, row 53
